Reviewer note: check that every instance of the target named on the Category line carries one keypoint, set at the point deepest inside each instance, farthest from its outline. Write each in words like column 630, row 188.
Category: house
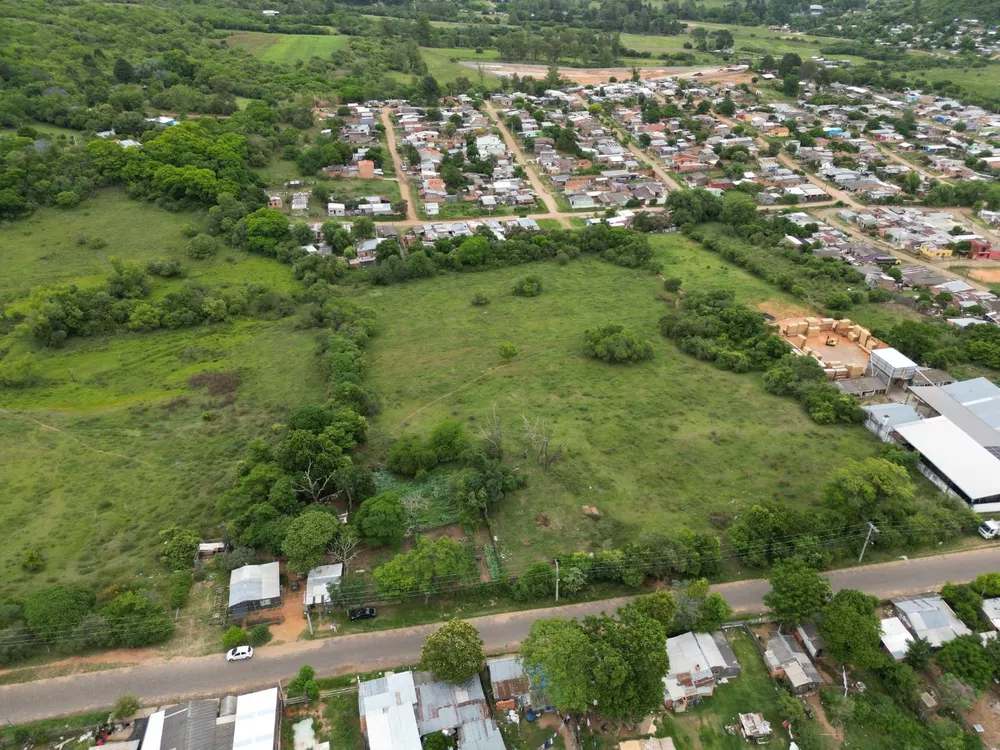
column 300, row 201
column 755, row 729
column 366, row 169
column 249, row 723
column 931, row 618
column 317, row 581
column 274, row 201
column 787, row 660
column 809, row 636
column 991, row 611
column 336, row 209
column 935, row 253
column 513, row 687
column 253, row 588
column 895, row 637
column 697, row 661
column 398, row 709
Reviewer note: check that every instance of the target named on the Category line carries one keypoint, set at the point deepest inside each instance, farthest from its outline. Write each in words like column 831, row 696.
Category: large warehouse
column 891, row 366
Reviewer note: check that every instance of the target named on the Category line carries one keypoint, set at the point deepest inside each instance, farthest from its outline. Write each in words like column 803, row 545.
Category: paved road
column 164, row 681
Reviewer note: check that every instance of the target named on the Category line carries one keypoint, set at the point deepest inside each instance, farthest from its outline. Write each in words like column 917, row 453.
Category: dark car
column 365, row 613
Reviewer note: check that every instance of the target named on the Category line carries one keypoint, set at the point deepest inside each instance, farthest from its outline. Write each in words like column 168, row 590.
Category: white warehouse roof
column 895, row 637
column 959, row 458
column 256, row 720
column 894, row 358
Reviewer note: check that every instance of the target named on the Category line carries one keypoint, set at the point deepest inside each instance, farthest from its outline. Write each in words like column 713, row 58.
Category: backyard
column 651, row 446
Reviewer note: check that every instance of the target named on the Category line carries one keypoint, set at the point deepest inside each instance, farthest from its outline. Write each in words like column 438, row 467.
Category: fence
column 324, row 694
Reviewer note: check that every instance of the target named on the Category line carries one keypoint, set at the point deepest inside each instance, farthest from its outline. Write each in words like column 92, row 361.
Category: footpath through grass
column 652, row 446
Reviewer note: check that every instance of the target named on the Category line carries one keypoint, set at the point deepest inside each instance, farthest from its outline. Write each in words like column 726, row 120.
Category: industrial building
column 891, row 366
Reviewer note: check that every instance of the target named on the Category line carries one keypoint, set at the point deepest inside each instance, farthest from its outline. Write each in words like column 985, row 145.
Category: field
column 55, row 245
column 288, row 48
column 444, row 64
column 632, row 434
column 980, row 81
column 115, row 444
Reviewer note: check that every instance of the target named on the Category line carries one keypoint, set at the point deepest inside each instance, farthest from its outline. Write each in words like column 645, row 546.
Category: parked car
column 364, row 613
column 240, row 653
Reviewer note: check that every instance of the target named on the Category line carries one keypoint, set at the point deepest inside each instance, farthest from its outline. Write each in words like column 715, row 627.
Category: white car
column 240, row 653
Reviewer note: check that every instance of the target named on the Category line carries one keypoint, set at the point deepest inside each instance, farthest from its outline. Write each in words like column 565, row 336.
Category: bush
column 381, row 520
column 235, row 636
column 33, row 561
column 179, row 587
column 409, row 456
column 304, row 683
column 672, row 284
column 53, row 612
column 67, row 199
column 259, row 635
column 877, row 296
column 529, row 286
column 538, row 582
column 126, row 706
column 202, row 246
column 615, row 343
column 480, row 299
column 448, row 440
column 507, row 350
column 166, row 269
column 133, row 621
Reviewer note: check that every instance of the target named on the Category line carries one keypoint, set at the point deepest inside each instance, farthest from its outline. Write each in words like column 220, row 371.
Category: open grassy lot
column 55, row 245
column 287, row 48
column 443, row 63
column 651, row 446
column 983, row 81
column 115, row 445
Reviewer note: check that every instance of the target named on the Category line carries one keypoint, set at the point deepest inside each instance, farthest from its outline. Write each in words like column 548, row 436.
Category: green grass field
column 443, row 63
column 982, row 81
column 288, row 48
column 632, row 434
column 55, row 245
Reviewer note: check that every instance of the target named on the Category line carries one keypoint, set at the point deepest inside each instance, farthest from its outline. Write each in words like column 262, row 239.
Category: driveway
column 165, row 681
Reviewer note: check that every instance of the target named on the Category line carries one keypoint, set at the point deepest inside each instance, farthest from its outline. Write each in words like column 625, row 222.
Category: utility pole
column 871, row 528
column 557, row 580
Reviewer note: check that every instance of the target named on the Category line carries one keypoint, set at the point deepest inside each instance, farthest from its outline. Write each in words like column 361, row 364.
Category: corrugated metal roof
column 980, row 396
column 931, row 618
column 962, row 460
column 253, row 583
column 962, row 416
column 991, row 608
column 895, row 637
column 256, row 720
column 387, row 706
column 897, row 414
column 317, row 581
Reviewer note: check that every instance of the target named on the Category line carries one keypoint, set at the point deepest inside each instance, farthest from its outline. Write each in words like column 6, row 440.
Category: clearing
column 651, row 446
column 287, row 48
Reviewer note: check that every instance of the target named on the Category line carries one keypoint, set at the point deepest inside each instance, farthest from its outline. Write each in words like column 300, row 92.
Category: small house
column 253, row 588
column 319, row 579
column 787, row 660
column 930, row 617
column 755, row 729
column 809, row 636
column 336, row 209
column 895, row 638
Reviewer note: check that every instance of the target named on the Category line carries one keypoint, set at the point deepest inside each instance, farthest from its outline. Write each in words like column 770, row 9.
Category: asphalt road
column 163, row 682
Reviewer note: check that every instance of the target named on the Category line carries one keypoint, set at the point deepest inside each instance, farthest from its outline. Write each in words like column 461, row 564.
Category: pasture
column 288, row 48
column 445, row 64
column 652, row 446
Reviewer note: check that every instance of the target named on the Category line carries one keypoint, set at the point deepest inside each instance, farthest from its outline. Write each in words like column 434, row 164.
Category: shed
column 882, row 418
column 509, row 681
column 755, row 728
column 809, row 636
column 316, row 584
column 787, row 659
column 862, row 387
column 895, row 637
column 991, row 611
column 890, row 365
column 254, row 587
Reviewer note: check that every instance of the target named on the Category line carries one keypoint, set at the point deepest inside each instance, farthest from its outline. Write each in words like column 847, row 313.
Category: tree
column 67, row 199
column 123, row 71
column 235, row 636
column 672, row 284
column 727, row 107
column 965, row 601
column 381, row 520
column 558, row 649
column 869, row 490
column 918, row 653
column 422, row 569
column 308, row 537
column 797, row 592
column 201, row 246
column 125, row 707
column 133, row 620
column 264, row 230
column 178, row 548
column 53, row 611
column 363, row 228
column 714, row 611
column 448, row 440
column 343, row 548
column 454, row 653
column 660, row 606
column 338, row 238
column 852, row 629
column 259, row 635
column 507, row 350
column 966, row 658
column 790, row 86
column 304, row 683
column 614, row 343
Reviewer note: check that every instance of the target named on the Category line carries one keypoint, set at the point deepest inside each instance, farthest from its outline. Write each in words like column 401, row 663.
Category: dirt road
column 536, row 183
column 397, row 161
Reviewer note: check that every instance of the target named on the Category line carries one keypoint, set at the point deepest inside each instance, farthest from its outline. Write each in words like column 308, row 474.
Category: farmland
column 288, row 48
column 633, row 434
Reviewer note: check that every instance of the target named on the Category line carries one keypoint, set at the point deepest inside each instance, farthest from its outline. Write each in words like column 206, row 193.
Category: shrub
column 33, row 561
column 480, row 298
column 180, row 585
column 166, row 269
column 409, row 456
column 878, row 296
column 615, row 343
column 259, row 635
column 381, row 520
column 672, row 284
column 507, row 350
column 448, row 440
column 538, row 582
column 201, row 246
column 125, row 706
column 235, row 636
column 529, row 286
column 67, row 199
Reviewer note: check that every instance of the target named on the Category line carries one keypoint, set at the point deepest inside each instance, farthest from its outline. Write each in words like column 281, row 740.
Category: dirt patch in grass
column 989, row 275
column 781, row 309
column 215, row 383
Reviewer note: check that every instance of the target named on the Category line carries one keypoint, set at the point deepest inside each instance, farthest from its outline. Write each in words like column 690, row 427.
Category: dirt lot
column 844, row 351
column 583, row 76
column 784, row 310
column 989, row 275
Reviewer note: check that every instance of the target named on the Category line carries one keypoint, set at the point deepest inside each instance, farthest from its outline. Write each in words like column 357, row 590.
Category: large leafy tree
column 557, row 655
column 455, row 652
column 52, row 612
column 381, row 520
column 660, row 606
column 871, row 490
column 797, row 592
column 178, row 547
column 133, row 620
column 852, row 629
column 426, row 568
column 966, row 658
column 307, row 538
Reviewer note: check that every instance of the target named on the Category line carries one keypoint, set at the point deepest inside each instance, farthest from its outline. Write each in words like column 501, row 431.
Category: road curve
column 165, row 681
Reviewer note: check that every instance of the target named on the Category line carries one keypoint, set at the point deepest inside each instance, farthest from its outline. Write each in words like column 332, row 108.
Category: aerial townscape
column 499, row 375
